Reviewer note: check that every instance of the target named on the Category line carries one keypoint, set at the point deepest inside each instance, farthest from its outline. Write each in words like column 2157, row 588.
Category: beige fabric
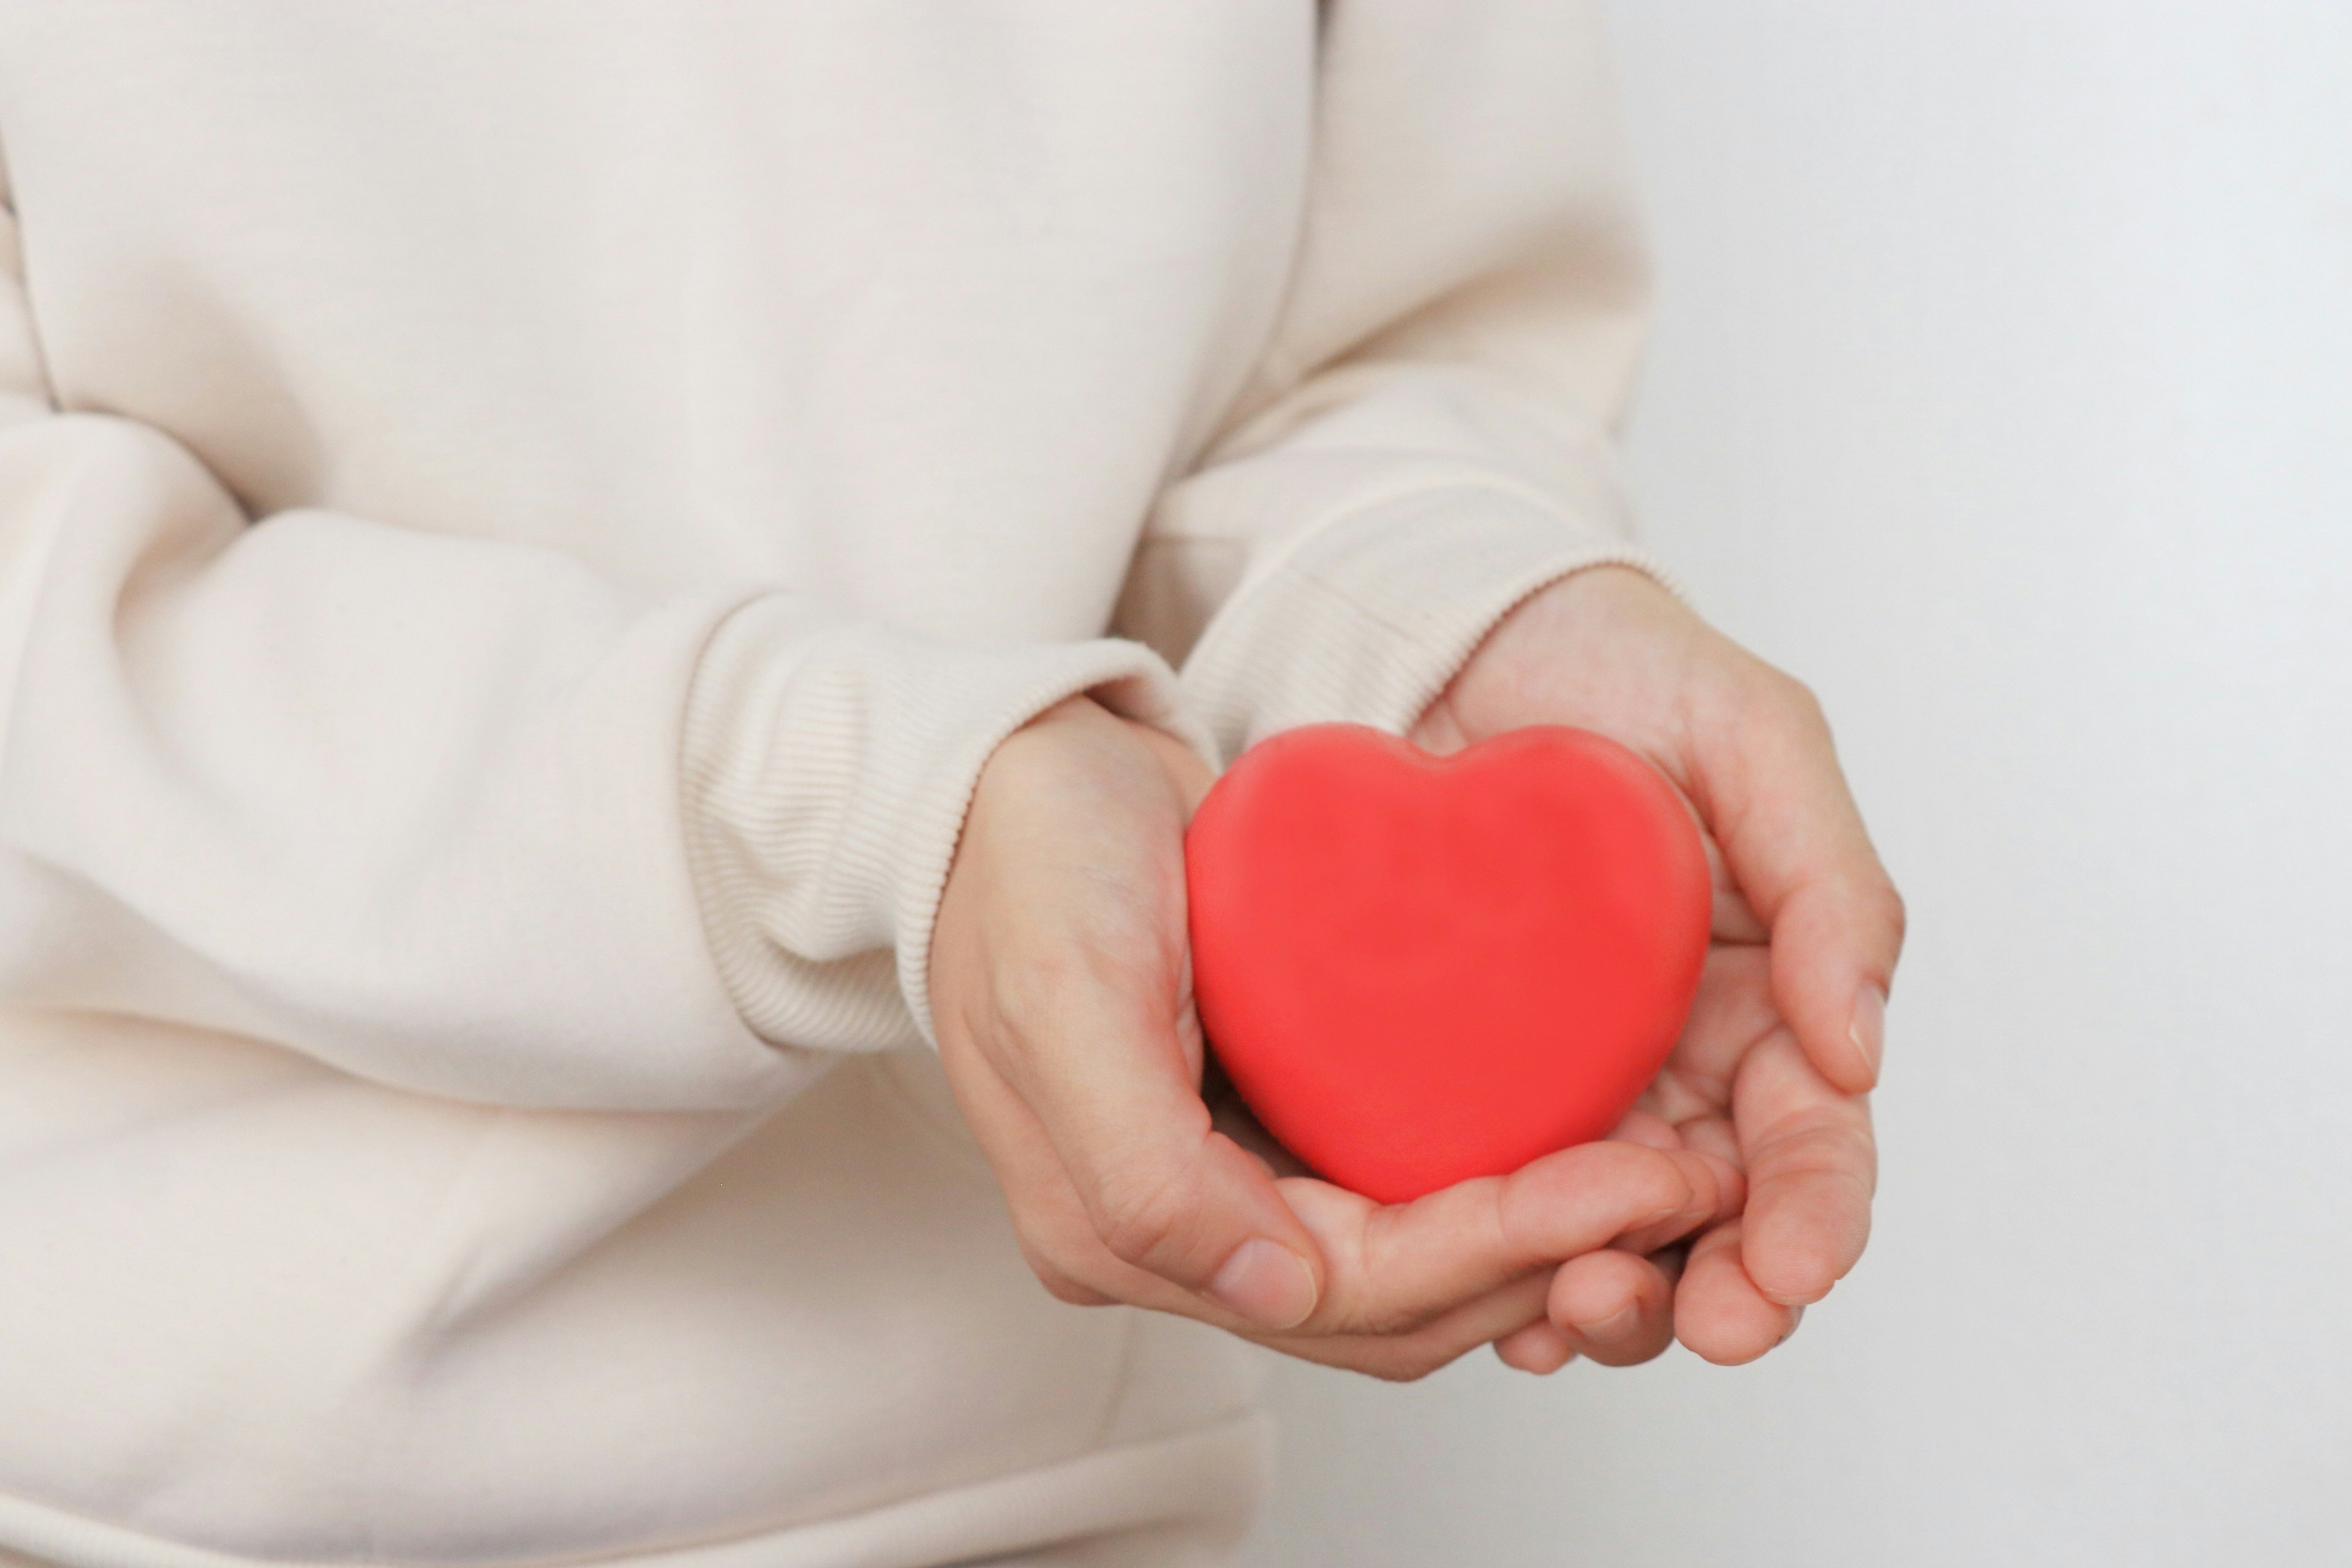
column 518, row 527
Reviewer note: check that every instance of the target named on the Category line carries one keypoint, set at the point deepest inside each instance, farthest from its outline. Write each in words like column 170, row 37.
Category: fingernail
column 1615, row 1326
column 1868, row 1029
column 1267, row 1283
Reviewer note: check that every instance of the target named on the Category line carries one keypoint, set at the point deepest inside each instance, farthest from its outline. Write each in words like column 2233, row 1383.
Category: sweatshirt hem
column 1366, row 619
column 1199, row 1475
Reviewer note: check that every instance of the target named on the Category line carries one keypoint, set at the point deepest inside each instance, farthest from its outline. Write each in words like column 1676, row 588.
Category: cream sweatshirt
column 519, row 523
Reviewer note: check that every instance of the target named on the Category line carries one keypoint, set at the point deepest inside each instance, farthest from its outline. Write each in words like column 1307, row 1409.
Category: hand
column 1060, row 989
column 1783, row 1042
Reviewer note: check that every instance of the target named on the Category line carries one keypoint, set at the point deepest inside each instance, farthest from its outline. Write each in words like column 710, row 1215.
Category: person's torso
column 865, row 300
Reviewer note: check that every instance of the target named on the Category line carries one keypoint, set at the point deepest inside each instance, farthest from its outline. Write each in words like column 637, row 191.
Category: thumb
column 1108, row 1080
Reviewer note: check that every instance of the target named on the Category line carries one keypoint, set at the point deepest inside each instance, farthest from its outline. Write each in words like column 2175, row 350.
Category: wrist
column 1491, row 692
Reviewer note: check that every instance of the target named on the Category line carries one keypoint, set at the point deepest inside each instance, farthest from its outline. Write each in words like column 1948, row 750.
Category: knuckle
column 1140, row 1216
column 1865, row 904
column 1053, row 1234
column 1402, row 1357
column 1064, row 1289
column 1765, row 695
column 1030, row 986
column 1894, row 912
column 1833, row 1144
column 1408, row 1362
column 1040, row 1239
column 1798, row 701
column 1059, row 1282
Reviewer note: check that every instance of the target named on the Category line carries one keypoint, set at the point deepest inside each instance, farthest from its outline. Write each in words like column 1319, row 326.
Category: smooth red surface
column 1419, row 969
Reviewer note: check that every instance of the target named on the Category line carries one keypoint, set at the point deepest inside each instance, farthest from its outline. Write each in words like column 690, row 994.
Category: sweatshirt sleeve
column 1429, row 438
column 459, row 815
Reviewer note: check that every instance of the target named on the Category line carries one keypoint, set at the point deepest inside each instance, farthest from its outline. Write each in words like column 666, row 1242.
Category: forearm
column 432, row 808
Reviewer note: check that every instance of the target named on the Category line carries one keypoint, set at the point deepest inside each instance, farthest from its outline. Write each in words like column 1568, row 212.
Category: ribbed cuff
column 1368, row 618
column 828, row 768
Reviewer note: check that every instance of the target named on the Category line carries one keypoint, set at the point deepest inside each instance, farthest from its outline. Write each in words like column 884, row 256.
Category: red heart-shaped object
column 1419, row 969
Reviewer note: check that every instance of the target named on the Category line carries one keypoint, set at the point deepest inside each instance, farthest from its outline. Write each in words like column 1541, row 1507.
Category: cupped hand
column 1061, row 995
column 1783, row 1042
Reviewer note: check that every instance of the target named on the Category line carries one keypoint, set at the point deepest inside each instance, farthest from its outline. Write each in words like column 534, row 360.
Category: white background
column 2004, row 391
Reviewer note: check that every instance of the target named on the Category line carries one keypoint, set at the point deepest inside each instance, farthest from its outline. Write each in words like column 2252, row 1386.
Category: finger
column 1381, row 1287
column 1812, row 1167
column 1769, row 784
column 1712, row 1135
column 1613, row 1308
column 1733, row 1010
column 1401, row 1357
column 1390, row 1268
column 1648, row 1129
column 1538, row 1348
column 1718, row 1312
column 1058, row 1239
column 1733, row 920
column 1718, row 1191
